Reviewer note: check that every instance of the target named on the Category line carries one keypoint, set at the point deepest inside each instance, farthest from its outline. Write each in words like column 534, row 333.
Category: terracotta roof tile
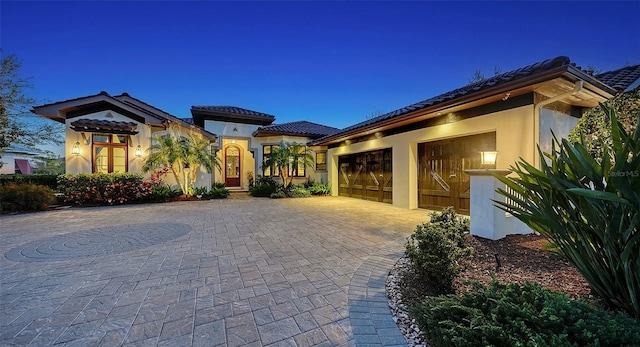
column 621, row 79
column 231, row 110
column 488, row 83
column 301, row 128
column 104, row 125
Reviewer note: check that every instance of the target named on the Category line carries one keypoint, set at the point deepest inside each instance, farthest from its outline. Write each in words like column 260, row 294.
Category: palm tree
column 183, row 156
column 286, row 158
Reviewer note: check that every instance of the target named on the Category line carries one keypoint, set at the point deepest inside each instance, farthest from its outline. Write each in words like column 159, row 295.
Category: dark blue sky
column 332, row 63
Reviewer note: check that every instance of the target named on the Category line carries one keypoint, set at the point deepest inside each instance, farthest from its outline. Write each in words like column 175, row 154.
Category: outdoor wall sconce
column 138, row 152
column 488, row 158
column 76, row 149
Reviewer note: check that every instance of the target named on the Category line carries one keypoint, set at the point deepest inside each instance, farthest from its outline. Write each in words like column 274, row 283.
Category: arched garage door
column 366, row 176
column 441, row 178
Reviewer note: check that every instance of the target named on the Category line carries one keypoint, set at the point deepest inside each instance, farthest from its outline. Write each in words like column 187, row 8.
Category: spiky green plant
column 589, row 209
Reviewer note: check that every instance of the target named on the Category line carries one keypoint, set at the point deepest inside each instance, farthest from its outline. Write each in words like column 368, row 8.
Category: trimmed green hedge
column 50, row 181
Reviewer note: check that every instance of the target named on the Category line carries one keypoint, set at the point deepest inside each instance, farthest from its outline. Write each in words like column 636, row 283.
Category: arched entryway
column 232, row 168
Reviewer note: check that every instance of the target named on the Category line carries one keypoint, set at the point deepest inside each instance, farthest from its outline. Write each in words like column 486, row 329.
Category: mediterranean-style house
column 413, row 157
column 107, row 133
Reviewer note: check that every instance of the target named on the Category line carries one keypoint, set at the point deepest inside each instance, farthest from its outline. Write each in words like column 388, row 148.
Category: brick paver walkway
column 233, row 272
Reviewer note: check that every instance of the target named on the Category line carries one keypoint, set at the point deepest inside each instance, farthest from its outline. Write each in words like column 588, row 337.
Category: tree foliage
column 17, row 123
column 183, row 155
column 595, row 125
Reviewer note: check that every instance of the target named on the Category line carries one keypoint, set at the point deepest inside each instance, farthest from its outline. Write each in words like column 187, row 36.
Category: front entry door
column 232, row 166
column 441, row 180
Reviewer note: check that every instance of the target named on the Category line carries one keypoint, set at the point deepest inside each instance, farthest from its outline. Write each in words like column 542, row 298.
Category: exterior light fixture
column 488, row 158
column 138, row 152
column 76, row 149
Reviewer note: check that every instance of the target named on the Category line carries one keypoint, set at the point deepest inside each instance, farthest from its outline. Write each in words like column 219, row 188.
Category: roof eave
column 566, row 71
column 200, row 115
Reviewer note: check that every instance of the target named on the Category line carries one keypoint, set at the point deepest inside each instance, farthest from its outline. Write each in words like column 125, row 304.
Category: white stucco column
column 487, row 221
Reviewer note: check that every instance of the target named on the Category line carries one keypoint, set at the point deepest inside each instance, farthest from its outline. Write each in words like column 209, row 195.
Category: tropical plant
column 298, row 192
column 589, row 209
column 218, row 191
column 183, row 155
column 264, row 186
column 320, row 188
column 286, row 158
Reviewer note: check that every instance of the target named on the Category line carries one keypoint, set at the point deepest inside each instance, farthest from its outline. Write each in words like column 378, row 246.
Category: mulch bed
column 522, row 258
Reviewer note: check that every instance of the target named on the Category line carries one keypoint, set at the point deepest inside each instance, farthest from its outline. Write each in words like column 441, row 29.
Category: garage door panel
column 368, row 176
column 441, row 178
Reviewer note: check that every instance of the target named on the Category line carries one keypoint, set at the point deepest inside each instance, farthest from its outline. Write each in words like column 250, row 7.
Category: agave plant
column 589, row 208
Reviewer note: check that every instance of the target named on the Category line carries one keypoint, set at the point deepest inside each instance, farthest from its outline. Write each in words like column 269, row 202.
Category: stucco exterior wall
column 225, row 129
column 82, row 162
column 561, row 124
column 310, row 172
column 241, row 135
column 514, row 139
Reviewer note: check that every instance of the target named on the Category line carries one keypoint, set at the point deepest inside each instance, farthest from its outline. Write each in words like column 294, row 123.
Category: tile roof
column 621, row 79
column 104, row 125
column 160, row 114
column 560, row 63
column 232, row 114
column 232, row 110
column 301, row 128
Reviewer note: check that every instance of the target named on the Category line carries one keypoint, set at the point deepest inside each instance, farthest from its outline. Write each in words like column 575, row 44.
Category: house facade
column 413, row 157
column 416, row 156
column 105, row 133
column 247, row 137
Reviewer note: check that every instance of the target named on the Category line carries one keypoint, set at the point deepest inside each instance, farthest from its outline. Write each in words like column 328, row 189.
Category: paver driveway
column 233, row 272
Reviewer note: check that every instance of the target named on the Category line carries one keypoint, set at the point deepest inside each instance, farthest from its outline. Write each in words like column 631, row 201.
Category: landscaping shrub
column 25, row 197
column 320, row 188
column 278, row 195
column 50, row 181
column 112, row 188
column 521, row 315
column 163, row 193
column 218, row 191
column 437, row 249
column 298, row 192
column 264, row 186
column 200, row 191
column 589, row 208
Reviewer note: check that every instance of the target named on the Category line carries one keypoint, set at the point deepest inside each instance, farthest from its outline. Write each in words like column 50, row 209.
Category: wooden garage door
column 366, row 176
column 441, row 178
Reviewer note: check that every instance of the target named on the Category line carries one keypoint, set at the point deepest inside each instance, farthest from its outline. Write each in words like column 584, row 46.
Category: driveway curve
column 236, row 272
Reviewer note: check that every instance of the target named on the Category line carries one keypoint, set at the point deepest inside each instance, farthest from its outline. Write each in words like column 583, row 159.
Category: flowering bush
column 112, row 188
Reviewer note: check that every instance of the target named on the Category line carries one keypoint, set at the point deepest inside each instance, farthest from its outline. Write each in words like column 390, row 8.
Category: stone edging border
column 369, row 312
